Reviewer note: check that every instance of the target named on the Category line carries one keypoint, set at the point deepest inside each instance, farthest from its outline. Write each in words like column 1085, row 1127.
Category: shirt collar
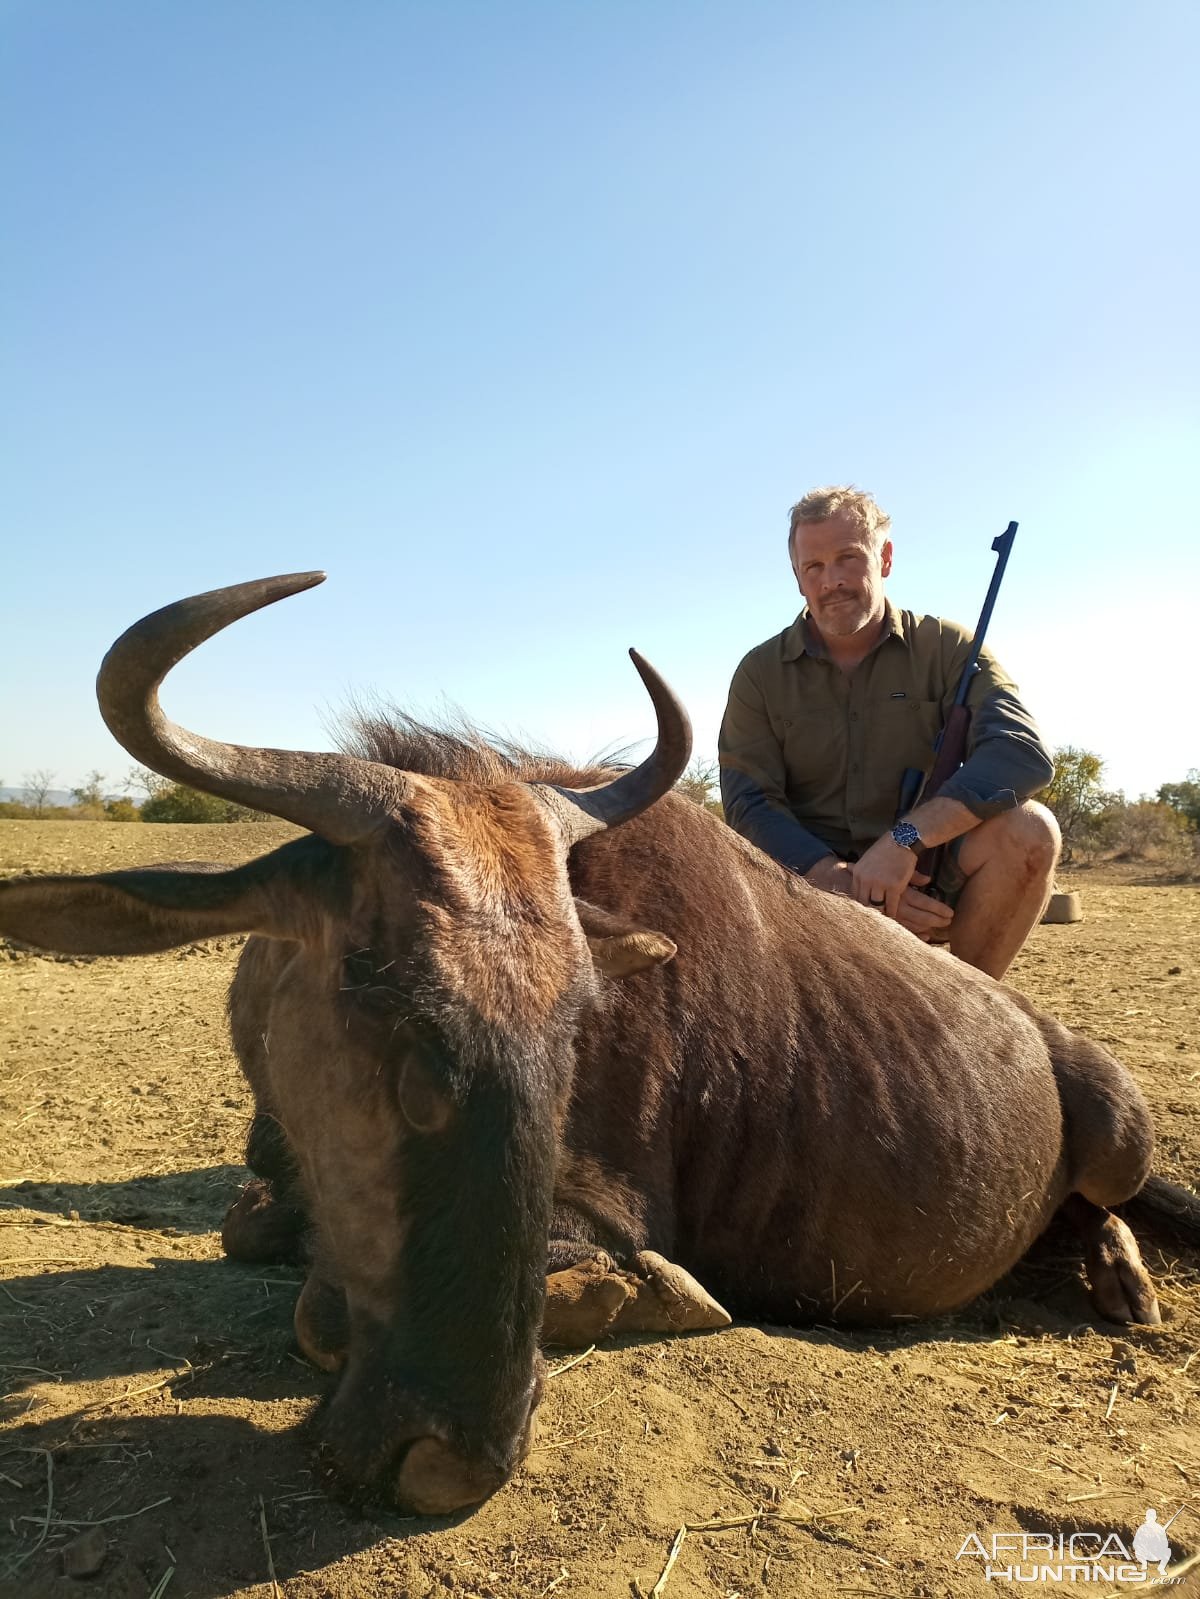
column 802, row 638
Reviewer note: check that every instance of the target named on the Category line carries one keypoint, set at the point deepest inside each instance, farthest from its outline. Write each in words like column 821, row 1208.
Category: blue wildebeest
column 538, row 1052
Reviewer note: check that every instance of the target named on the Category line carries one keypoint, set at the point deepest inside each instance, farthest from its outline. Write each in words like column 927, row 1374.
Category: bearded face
column 840, row 569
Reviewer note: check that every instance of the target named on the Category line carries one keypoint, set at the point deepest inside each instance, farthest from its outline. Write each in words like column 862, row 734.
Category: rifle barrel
column 1002, row 545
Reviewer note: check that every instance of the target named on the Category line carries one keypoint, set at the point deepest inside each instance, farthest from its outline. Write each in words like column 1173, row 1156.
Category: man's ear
column 160, row 907
column 619, row 948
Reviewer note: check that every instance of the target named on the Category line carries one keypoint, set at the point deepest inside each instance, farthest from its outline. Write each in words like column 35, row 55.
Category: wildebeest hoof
column 321, row 1324
column 261, row 1229
column 667, row 1299
column 1120, row 1284
column 582, row 1302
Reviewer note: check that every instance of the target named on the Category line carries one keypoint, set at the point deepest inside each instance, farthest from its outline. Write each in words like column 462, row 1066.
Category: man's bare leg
column 1009, row 863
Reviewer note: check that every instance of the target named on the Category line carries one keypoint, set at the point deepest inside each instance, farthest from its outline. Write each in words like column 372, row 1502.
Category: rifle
column 950, row 746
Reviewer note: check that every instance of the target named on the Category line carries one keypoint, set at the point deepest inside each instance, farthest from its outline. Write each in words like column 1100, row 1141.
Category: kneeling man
column 824, row 718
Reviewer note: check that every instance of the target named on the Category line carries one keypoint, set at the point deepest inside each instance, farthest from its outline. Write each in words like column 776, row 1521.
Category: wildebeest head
column 414, row 1013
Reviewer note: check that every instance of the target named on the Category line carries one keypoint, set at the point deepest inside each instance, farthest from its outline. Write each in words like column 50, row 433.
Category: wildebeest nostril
column 322, row 1324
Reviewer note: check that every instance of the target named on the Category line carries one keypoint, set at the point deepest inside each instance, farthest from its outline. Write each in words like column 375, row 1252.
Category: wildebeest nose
column 379, row 1442
column 436, row 1480
column 425, row 1476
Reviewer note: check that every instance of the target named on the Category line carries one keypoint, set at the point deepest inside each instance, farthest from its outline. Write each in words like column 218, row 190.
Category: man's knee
column 1037, row 835
column 1026, row 838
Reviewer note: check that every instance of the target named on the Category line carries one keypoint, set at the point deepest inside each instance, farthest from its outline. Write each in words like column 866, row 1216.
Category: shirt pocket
column 901, row 733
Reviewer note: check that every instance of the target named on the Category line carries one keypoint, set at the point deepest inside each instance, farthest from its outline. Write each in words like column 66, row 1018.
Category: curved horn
column 336, row 796
column 582, row 812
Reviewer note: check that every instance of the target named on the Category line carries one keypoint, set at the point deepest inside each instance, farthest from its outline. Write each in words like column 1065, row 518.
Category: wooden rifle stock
column 951, row 752
column 951, row 748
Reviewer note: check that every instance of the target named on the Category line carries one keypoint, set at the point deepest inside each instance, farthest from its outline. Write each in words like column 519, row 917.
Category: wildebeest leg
column 266, row 1223
column 596, row 1298
column 590, row 1296
column 590, row 1299
column 1120, row 1284
column 1110, row 1142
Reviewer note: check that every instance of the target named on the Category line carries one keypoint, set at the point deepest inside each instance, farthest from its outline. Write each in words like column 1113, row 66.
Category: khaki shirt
column 812, row 759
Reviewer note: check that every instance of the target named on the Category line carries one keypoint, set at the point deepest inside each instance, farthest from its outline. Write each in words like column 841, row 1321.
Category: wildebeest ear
column 619, row 947
column 160, row 907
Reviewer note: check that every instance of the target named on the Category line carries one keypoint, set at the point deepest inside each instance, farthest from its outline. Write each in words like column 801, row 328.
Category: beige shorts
column 951, row 880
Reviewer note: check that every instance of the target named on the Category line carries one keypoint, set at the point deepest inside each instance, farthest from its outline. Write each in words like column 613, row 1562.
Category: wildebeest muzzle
column 381, row 1440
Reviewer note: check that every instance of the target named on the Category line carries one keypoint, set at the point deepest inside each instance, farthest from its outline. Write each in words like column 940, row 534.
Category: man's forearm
column 940, row 819
column 1007, row 763
column 750, row 811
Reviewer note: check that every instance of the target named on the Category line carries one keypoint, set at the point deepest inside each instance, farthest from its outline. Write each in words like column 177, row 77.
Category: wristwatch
column 906, row 834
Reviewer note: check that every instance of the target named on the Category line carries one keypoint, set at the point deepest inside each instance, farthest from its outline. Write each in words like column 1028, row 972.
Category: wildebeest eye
column 424, row 1104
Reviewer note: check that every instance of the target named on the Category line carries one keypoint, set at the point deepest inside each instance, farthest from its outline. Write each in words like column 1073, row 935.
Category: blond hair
column 818, row 505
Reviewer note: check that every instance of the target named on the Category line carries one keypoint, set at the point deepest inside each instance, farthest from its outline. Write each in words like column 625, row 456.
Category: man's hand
column 832, row 875
column 886, row 879
column 921, row 914
column 882, row 875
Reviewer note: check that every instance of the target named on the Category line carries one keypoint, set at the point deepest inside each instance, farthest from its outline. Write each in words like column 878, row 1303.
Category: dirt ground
column 153, row 1402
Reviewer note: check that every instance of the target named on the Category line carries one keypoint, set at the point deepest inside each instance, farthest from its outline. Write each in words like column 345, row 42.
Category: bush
column 700, row 784
column 1184, row 797
column 16, row 811
column 121, row 810
column 178, row 803
column 89, row 798
column 1076, row 798
column 1145, row 830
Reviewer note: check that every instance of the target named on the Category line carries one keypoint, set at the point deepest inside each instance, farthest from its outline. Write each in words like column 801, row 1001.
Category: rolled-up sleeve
column 1007, row 762
column 753, row 781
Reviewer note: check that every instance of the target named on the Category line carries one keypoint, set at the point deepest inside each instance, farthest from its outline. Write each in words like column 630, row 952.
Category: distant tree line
column 1097, row 823
column 159, row 801
column 1101, row 824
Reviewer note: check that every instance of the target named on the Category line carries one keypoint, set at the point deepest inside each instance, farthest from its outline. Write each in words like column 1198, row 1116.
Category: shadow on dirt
column 224, row 1329
column 210, row 1451
column 167, row 1482
column 187, row 1202
column 161, row 1400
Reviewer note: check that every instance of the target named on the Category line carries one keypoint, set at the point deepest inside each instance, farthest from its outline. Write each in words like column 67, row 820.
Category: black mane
column 458, row 750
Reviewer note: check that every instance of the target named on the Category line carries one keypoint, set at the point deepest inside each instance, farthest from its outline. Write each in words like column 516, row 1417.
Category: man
column 823, row 720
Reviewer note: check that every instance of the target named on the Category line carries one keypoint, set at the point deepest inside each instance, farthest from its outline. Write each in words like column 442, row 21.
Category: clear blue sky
column 527, row 322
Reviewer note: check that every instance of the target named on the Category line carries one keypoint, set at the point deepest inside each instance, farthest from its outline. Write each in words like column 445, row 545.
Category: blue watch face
column 905, row 833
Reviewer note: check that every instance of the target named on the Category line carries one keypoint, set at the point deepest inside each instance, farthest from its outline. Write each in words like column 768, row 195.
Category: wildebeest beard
column 474, row 1196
